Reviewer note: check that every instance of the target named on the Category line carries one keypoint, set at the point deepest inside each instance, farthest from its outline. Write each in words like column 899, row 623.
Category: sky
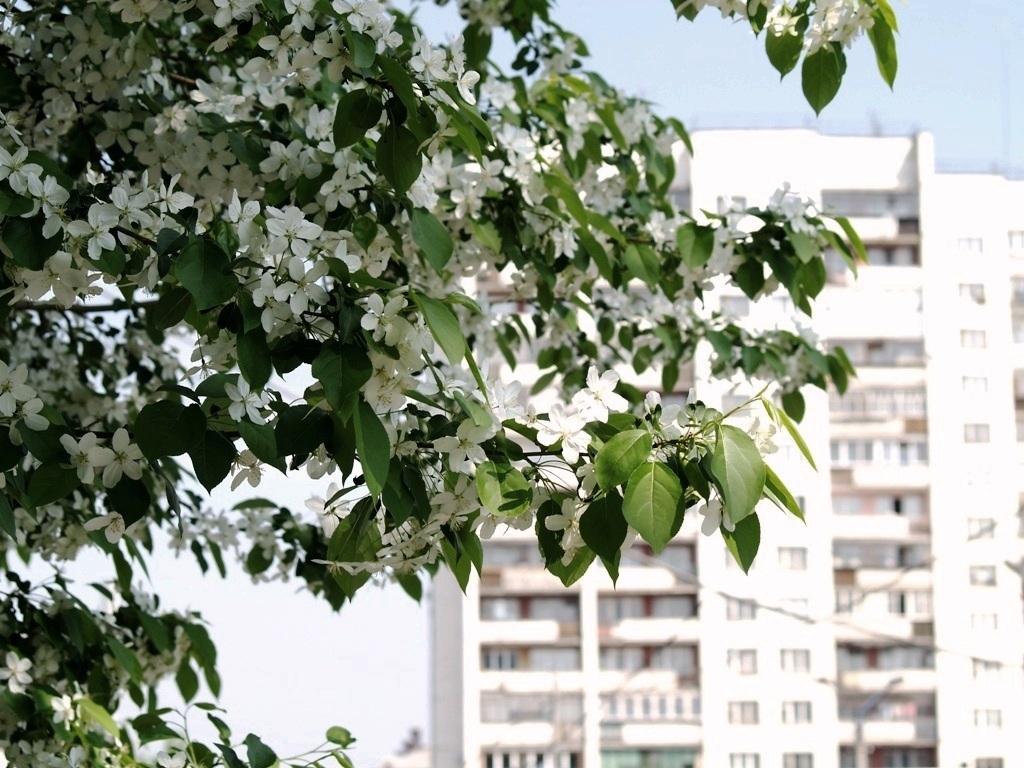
column 291, row 667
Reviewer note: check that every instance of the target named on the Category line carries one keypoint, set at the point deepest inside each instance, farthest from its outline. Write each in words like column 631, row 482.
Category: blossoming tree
column 241, row 237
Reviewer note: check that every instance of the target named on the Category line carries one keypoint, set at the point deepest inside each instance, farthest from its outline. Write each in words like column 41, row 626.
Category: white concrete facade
column 907, row 578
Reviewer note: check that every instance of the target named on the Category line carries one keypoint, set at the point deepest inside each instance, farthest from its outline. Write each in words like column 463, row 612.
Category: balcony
column 528, row 681
column 871, row 527
column 860, row 627
column 919, row 731
column 527, row 632
column 911, row 476
column 870, row 680
column 520, row 578
column 653, row 630
column 619, row 734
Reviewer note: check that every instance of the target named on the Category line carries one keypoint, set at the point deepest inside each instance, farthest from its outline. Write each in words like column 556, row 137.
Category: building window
column 500, row 608
column 915, row 603
column 795, row 660
column 797, row 760
column 742, row 661
column 984, row 621
column 796, row 712
column 744, row 760
column 975, row 385
column 976, row 433
column 681, row 659
column 562, row 609
column 674, row 606
column 612, row 610
column 846, row 505
column 554, row 659
column 973, row 292
column 500, row 658
column 983, row 575
column 628, row 659
column 988, row 718
column 973, row 339
column 847, row 599
column 970, row 245
column 980, row 528
column 793, row 558
column 740, row 610
column 743, row 713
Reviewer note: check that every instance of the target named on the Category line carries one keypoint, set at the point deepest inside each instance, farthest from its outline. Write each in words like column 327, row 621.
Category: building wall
column 912, row 512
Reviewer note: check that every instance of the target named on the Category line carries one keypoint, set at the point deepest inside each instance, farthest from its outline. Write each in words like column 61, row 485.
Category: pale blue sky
column 291, row 667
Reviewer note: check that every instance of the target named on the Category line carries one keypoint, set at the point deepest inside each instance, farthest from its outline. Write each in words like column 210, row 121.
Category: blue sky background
column 291, row 667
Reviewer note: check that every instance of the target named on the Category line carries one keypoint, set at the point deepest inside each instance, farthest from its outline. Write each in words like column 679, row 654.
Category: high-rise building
column 888, row 631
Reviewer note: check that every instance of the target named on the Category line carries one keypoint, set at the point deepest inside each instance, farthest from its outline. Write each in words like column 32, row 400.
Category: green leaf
column 155, row 630
column 170, row 308
column 7, row 517
column 398, row 157
column 577, row 567
column 744, row 541
column 487, row 234
column 11, row 203
column 211, row 458
column 603, row 526
column 695, row 244
column 340, row 736
column 794, row 404
column 301, row 430
column 503, row 489
column 851, row 234
column 166, row 428
column 262, row 441
column 411, row 585
column 10, row 454
column 884, row 43
column 100, row 716
column 618, row 458
column 126, row 658
column 650, row 505
column 433, row 237
column 355, row 540
column 783, row 50
column 50, row 483
column 738, row 470
column 443, row 325
column 374, row 446
column 398, row 77
column 821, row 75
column 783, row 420
column 357, row 112
column 887, row 12
column 205, row 270
column 779, row 494
column 804, row 248
column 259, row 754
column 130, row 499
column 202, row 645
column 231, row 758
column 29, row 249
column 254, row 357
column 341, row 369
column 363, row 48
column 477, row 412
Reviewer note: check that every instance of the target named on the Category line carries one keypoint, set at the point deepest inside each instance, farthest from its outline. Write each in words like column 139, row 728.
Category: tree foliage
column 241, row 238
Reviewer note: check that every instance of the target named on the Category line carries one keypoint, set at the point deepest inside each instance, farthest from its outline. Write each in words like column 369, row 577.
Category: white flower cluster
column 840, row 21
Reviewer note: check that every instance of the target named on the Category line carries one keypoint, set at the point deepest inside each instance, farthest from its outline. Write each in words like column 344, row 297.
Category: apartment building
column 888, row 632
